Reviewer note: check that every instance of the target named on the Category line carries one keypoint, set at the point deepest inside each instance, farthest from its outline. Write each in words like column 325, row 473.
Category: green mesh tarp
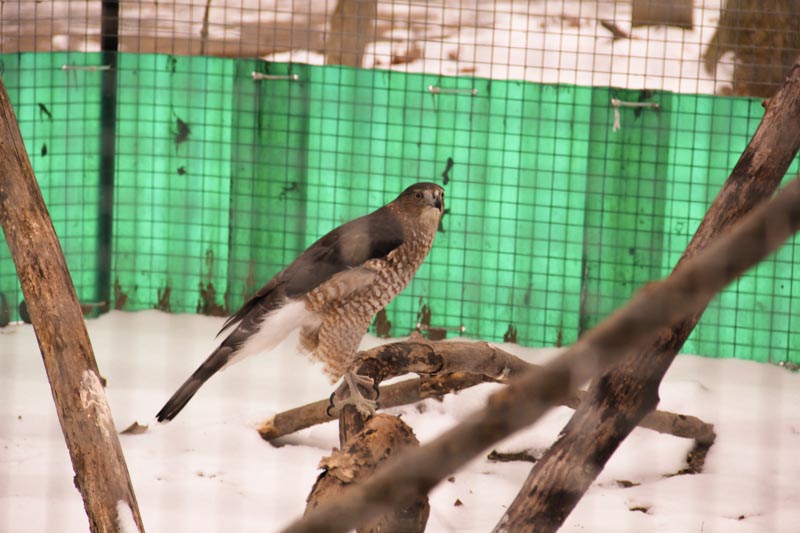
column 555, row 217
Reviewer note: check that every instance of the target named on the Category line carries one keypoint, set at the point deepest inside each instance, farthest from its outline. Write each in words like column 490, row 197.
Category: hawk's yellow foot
column 349, row 393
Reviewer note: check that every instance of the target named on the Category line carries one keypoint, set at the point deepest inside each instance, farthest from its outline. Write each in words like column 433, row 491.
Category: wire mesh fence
column 548, row 185
column 189, row 150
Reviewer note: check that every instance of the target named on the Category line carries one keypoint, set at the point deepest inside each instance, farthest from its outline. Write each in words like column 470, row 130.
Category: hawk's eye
column 418, row 195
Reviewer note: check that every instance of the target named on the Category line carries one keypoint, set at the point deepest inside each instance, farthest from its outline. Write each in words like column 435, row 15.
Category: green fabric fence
column 554, row 215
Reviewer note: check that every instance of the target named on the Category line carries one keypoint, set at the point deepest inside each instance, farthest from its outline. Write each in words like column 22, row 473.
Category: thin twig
column 616, row 32
column 204, row 28
column 510, row 457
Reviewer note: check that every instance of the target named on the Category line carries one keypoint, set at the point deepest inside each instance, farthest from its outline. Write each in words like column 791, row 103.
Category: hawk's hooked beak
column 437, row 202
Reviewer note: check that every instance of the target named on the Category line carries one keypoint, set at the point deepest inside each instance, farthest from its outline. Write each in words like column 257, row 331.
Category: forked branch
column 467, row 364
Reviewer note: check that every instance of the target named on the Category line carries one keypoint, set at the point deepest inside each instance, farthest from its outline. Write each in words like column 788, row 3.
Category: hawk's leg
column 349, row 393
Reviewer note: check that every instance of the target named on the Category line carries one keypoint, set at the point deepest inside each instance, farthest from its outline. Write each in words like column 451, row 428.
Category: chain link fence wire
column 244, row 130
column 189, row 149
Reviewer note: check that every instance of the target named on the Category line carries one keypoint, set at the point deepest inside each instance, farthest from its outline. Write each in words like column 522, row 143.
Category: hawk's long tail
column 218, row 359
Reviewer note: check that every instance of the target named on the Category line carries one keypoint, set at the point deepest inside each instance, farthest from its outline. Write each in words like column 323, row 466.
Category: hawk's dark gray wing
column 279, row 307
column 348, row 246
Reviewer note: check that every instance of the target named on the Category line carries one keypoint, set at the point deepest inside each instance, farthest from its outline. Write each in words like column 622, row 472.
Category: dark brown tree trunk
column 352, row 27
column 678, row 13
column 101, row 475
column 618, row 400
column 764, row 39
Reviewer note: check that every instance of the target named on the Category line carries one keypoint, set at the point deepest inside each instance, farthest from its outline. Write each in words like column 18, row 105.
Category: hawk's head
column 419, row 209
column 424, row 198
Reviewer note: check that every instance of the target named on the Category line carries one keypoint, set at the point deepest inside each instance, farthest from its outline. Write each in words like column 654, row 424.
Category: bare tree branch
column 524, row 400
column 455, row 365
column 483, row 357
column 406, row 392
column 352, row 27
column 616, row 401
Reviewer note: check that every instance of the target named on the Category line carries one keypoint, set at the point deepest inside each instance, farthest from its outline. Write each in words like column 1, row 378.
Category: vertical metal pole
column 109, row 44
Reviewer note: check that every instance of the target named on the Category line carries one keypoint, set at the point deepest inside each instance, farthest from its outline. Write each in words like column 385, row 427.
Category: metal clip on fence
column 259, row 76
column 616, row 103
column 89, row 68
column 438, row 90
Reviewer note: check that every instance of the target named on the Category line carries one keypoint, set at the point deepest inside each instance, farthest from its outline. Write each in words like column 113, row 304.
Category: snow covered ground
column 209, row 471
column 558, row 41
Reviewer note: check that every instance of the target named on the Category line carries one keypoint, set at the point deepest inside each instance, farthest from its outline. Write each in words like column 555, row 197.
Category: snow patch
column 93, row 400
column 210, row 471
column 125, row 520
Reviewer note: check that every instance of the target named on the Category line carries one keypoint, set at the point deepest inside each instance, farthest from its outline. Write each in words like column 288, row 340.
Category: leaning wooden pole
column 619, row 399
column 101, row 475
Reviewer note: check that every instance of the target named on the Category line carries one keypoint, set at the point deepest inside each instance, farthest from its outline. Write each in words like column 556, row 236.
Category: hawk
column 330, row 292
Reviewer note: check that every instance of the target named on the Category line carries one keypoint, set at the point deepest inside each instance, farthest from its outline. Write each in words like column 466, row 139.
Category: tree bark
column 764, row 39
column 663, row 13
column 352, row 26
column 527, row 398
column 619, row 399
column 380, row 440
column 101, row 475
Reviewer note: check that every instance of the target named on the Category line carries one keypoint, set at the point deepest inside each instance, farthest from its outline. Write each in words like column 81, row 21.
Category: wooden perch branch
column 101, row 475
column 481, row 357
column 616, row 402
column 456, row 365
column 525, row 399
column 394, row 395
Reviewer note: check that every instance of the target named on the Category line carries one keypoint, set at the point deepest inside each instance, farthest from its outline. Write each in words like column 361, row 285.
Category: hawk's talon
column 331, row 405
column 364, row 406
column 348, row 393
column 354, row 380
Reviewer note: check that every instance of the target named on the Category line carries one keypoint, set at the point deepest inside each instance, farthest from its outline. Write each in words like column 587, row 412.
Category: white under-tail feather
column 274, row 328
